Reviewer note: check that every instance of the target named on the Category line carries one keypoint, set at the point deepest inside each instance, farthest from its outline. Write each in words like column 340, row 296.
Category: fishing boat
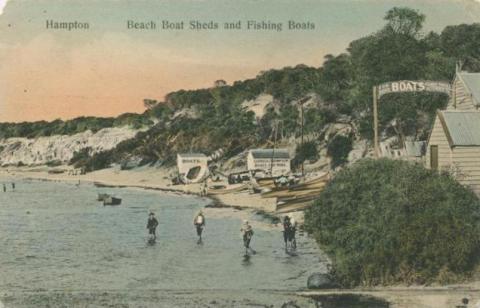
column 112, row 201
column 236, row 188
column 102, row 197
column 285, row 207
column 309, row 187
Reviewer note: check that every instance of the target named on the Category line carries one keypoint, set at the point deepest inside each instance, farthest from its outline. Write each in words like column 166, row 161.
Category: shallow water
column 55, row 237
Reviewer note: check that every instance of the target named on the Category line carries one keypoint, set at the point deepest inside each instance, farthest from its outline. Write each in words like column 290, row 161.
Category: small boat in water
column 102, row 197
column 112, row 201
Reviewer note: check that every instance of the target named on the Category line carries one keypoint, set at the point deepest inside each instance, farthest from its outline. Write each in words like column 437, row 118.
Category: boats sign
column 413, row 86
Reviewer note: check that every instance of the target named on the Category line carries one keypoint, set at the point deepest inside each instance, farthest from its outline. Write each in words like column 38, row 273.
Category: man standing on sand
column 152, row 224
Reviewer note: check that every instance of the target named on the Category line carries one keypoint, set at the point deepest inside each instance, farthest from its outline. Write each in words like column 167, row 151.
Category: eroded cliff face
column 42, row 150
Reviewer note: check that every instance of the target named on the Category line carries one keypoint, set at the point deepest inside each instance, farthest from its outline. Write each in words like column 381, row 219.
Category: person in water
column 287, row 229
column 4, row 188
column 13, row 186
column 247, row 234
column 293, row 231
column 152, row 224
column 199, row 223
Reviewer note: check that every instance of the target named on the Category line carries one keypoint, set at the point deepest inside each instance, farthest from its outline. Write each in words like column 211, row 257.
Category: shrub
column 338, row 149
column 385, row 221
column 306, row 151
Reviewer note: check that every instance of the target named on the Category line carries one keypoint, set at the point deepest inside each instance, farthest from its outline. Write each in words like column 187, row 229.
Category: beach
column 241, row 206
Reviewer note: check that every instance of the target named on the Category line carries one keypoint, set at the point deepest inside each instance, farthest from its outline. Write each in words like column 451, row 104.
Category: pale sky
column 108, row 69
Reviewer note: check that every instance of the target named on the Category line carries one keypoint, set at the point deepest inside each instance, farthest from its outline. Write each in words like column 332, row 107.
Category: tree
column 404, row 21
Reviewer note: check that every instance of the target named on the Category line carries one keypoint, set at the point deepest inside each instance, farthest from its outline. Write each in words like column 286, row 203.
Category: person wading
column 152, row 224
column 293, row 231
column 287, row 229
column 199, row 223
column 247, row 235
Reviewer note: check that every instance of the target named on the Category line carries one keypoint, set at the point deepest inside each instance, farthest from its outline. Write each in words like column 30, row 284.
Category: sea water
column 55, row 237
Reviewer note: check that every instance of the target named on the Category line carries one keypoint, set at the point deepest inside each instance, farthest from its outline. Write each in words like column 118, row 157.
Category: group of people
column 289, row 230
column 5, row 187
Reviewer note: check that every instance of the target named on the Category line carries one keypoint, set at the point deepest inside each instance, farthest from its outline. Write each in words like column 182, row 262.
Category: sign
column 413, row 86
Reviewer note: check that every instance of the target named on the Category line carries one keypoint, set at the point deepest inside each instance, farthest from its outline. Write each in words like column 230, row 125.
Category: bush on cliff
column 385, row 222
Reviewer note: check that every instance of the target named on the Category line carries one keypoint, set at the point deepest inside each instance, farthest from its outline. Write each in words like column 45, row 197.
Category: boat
column 112, row 201
column 293, row 206
column 237, row 188
column 311, row 186
column 102, row 197
column 292, row 193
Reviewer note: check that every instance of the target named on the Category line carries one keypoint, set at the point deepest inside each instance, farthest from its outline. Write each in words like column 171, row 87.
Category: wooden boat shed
column 465, row 92
column 454, row 146
column 275, row 160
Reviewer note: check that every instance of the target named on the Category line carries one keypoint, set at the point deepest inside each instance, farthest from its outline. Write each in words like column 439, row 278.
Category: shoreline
column 154, row 180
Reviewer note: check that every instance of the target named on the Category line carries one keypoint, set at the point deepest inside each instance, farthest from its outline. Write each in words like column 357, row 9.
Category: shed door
column 434, row 157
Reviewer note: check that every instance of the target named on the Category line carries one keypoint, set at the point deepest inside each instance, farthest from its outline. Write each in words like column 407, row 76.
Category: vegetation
column 338, row 149
column 306, row 151
column 388, row 221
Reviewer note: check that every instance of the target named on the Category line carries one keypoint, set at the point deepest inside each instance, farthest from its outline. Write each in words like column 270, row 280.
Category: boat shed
column 192, row 166
column 465, row 92
column 274, row 162
column 454, row 146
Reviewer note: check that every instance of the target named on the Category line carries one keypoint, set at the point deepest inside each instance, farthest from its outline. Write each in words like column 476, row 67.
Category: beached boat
column 266, row 182
column 309, row 186
column 293, row 206
column 112, row 201
column 235, row 188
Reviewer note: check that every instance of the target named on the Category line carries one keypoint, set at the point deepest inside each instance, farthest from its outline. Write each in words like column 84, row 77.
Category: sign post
column 402, row 86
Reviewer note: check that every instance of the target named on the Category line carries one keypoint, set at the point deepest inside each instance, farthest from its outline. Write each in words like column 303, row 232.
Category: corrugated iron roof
column 269, row 153
column 462, row 127
column 192, row 155
column 472, row 81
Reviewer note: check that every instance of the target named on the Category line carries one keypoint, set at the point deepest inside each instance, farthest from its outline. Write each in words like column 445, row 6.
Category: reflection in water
column 350, row 301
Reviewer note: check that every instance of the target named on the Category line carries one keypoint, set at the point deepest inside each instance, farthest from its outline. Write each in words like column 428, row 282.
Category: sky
column 108, row 69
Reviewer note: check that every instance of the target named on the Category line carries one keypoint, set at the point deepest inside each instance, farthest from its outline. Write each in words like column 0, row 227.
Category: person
column 13, row 186
column 293, row 231
column 4, row 188
column 152, row 224
column 199, row 223
column 286, row 229
column 247, row 235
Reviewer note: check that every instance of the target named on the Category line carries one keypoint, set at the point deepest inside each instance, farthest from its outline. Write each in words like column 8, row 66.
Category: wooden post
column 303, row 162
column 375, row 122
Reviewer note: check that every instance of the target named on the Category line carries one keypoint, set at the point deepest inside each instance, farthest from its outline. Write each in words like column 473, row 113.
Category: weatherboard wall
column 461, row 98
column 438, row 137
column 466, row 166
